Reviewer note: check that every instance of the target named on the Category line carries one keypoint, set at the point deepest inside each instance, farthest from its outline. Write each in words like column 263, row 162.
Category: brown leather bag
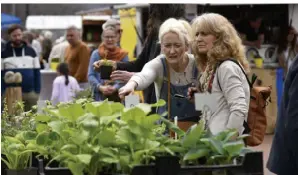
column 256, row 120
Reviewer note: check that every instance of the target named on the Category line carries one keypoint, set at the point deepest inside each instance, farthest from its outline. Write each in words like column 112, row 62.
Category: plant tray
column 51, row 171
column 29, row 171
column 252, row 164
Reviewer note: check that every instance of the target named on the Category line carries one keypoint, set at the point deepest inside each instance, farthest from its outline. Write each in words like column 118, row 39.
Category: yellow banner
column 129, row 36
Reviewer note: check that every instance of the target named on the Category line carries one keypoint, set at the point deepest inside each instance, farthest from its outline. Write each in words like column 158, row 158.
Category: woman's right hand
column 127, row 89
column 99, row 63
column 191, row 92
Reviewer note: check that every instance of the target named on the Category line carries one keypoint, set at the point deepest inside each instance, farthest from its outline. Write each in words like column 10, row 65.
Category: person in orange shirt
column 77, row 56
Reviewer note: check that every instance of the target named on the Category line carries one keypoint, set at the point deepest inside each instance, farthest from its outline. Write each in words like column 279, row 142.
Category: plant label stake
column 176, row 123
column 41, row 104
column 131, row 101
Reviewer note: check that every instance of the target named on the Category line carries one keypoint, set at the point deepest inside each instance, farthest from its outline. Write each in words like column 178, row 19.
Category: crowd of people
column 178, row 60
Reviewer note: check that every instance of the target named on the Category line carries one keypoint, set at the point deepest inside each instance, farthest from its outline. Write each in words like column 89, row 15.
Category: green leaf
column 216, row 146
column 57, row 126
column 173, row 127
column 72, row 112
column 11, row 139
column 79, row 137
column 29, row 135
column 109, row 160
column 135, row 114
column 230, row 135
column 117, row 107
column 106, row 137
column 135, row 128
column 108, row 152
column 151, row 144
column 42, row 138
column 106, row 120
column 100, row 108
column 54, row 136
column 243, row 136
column 84, row 158
column 70, row 148
column 146, row 108
column 221, row 135
column 149, row 121
column 126, row 136
column 233, row 148
column 196, row 153
column 40, row 127
column 193, row 135
column 159, row 103
column 43, row 118
column 177, row 149
column 90, row 124
column 15, row 147
column 244, row 151
column 76, row 168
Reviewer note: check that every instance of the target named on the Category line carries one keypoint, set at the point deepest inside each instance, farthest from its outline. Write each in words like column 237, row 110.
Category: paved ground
column 265, row 147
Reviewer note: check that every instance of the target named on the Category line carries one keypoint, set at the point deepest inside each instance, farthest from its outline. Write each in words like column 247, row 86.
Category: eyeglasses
column 109, row 37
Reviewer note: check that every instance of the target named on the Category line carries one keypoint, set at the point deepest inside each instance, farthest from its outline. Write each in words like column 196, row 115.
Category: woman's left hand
column 122, row 76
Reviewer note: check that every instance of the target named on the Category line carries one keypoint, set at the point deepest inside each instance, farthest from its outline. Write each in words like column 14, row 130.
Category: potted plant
column 106, row 68
column 15, row 154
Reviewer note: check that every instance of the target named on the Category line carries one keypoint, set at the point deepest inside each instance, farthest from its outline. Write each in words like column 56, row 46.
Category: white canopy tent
column 59, row 22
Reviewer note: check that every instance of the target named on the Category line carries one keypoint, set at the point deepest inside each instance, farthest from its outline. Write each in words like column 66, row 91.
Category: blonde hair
column 186, row 25
column 228, row 44
column 175, row 26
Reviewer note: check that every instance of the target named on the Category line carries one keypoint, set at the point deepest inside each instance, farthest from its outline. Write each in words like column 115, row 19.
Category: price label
column 131, row 101
column 202, row 100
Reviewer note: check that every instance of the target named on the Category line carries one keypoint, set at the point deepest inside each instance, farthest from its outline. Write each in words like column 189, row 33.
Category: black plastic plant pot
column 3, row 165
column 57, row 171
column 29, row 171
column 144, row 170
column 52, row 171
column 105, row 72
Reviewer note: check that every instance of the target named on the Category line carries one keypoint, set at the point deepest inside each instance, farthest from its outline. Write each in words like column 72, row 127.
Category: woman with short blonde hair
column 172, row 72
column 215, row 42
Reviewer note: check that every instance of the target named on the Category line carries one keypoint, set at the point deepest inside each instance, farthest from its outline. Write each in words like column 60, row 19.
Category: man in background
column 252, row 31
column 77, row 55
column 19, row 57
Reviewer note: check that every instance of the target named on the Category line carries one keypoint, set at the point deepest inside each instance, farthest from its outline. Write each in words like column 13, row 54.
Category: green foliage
column 91, row 137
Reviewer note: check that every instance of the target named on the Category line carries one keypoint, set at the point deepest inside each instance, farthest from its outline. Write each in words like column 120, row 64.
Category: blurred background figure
column 117, row 25
column 77, row 56
column 287, row 48
column 64, row 85
column 46, row 45
column 58, row 50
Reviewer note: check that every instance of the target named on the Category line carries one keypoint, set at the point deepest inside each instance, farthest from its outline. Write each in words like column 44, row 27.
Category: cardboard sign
column 202, row 100
column 131, row 101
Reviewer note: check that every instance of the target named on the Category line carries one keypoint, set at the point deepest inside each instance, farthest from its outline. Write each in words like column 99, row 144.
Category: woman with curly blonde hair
column 217, row 48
